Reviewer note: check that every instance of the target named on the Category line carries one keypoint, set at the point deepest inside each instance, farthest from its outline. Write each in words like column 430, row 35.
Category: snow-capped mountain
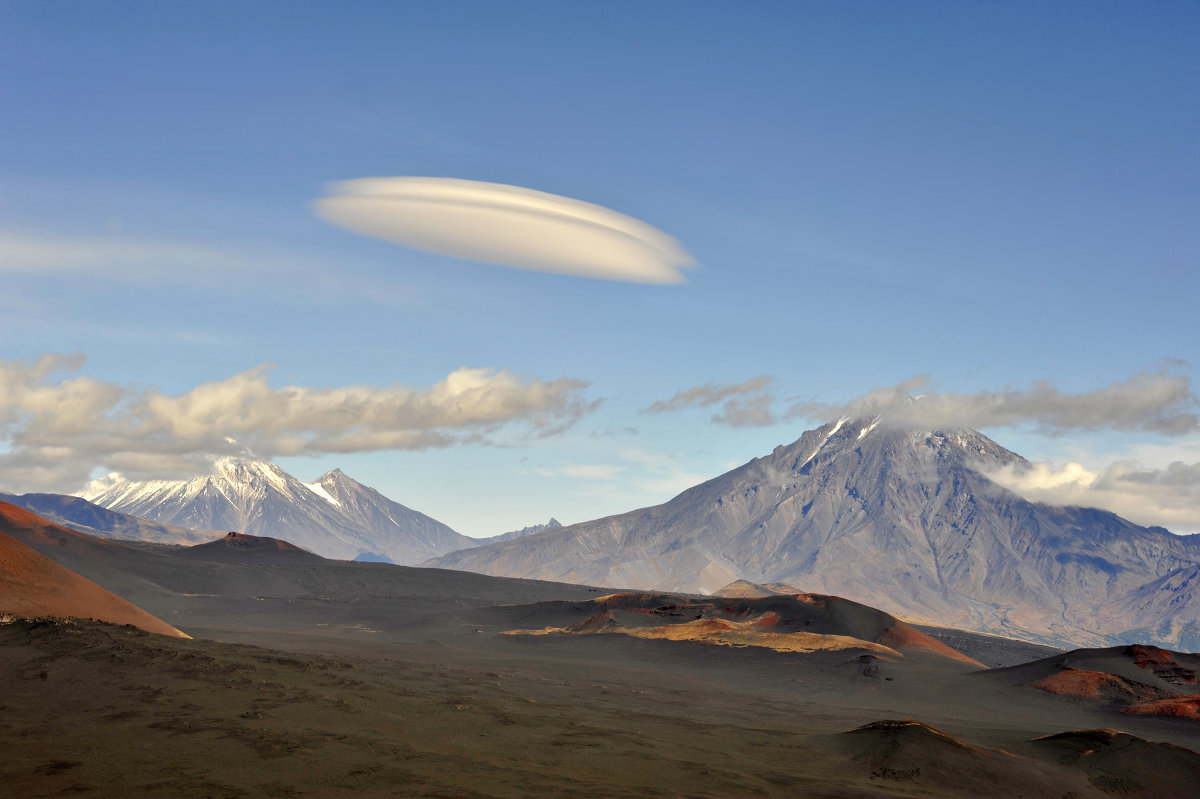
column 371, row 510
column 905, row 521
column 335, row 517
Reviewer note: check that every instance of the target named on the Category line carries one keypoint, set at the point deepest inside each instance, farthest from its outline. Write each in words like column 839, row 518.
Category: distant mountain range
column 335, row 517
column 553, row 524
column 78, row 514
column 905, row 521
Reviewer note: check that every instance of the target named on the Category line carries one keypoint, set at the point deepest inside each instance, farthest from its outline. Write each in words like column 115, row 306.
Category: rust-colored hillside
column 33, row 585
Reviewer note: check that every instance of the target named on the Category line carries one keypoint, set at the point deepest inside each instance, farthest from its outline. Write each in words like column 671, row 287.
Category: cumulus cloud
column 1168, row 497
column 57, row 429
column 507, row 225
column 746, row 404
column 1159, row 402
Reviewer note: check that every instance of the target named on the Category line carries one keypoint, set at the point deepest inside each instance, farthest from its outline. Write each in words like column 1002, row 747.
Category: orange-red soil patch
column 1187, row 707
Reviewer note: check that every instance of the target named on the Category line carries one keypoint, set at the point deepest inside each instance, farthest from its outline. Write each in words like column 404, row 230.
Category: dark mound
column 776, row 615
column 33, row 585
column 1119, row 763
column 601, row 622
column 1175, row 672
column 910, row 754
column 1097, row 685
column 833, row 615
column 897, row 733
column 1136, row 679
column 239, row 548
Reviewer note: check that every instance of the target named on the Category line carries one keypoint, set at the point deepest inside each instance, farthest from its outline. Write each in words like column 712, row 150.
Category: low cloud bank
column 506, row 225
column 1167, row 497
column 1157, row 402
column 57, row 429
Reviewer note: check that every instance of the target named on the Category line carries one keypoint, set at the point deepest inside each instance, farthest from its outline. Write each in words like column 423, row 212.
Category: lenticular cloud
column 506, row 225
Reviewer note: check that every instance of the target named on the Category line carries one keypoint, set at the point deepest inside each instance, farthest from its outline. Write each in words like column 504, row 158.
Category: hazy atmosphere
column 510, row 261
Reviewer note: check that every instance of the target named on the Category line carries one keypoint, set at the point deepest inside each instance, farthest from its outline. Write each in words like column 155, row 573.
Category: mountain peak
column 905, row 519
column 336, row 477
column 335, row 517
column 879, row 433
column 242, row 468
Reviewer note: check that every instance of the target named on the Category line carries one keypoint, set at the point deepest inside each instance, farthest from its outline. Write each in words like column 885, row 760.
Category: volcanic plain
column 312, row 677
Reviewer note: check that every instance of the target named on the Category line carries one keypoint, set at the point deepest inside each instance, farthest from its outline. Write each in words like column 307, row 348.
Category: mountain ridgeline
column 78, row 514
column 336, row 516
column 905, row 521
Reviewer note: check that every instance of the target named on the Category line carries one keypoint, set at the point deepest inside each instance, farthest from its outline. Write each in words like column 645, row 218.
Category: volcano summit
column 906, row 521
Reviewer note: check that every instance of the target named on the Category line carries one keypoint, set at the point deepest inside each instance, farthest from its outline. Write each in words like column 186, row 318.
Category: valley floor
column 449, row 708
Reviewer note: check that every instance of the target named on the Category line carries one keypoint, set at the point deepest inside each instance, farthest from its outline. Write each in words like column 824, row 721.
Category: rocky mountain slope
column 335, row 517
column 371, row 510
column 905, row 521
column 78, row 514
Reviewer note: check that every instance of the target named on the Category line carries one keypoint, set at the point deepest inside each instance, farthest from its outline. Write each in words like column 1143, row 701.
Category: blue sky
column 989, row 194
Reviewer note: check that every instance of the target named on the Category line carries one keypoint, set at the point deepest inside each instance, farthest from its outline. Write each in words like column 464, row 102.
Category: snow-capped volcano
column 904, row 520
column 335, row 516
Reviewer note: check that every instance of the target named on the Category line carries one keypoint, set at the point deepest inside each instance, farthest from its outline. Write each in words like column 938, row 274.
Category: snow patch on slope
column 824, row 441
column 863, row 433
column 320, row 491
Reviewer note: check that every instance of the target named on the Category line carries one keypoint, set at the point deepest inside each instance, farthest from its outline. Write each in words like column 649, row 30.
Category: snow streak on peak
column 863, row 433
column 320, row 491
column 824, row 441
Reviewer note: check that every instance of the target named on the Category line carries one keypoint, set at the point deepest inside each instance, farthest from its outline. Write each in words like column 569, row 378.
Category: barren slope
column 33, row 585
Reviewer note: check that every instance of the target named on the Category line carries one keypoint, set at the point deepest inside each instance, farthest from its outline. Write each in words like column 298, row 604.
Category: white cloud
column 58, row 430
column 1159, row 402
column 1169, row 497
column 746, row 404
column 507, row 225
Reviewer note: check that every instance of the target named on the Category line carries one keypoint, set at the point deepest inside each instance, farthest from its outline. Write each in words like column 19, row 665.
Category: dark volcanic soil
column 338, row 679
column 99, row 710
